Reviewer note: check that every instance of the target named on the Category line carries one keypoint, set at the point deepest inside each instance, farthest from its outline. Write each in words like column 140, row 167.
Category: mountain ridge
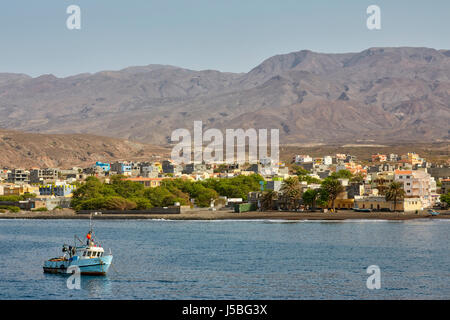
column 381, row 94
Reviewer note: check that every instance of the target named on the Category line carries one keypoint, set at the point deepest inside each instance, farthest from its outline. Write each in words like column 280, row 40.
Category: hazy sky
column 225, row 35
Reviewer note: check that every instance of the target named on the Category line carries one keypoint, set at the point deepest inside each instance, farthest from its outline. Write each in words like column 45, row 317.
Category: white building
column 150, row 171
column 327, row 160
column 301, row 158
column 417, row 183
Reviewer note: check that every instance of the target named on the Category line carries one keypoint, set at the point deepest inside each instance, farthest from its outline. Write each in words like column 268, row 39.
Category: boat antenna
column 90, row 220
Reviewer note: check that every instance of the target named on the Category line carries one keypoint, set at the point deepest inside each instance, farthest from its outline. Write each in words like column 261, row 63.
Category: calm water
column 233, row 259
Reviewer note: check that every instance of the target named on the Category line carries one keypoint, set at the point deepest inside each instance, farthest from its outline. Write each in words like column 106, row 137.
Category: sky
column 224, row 35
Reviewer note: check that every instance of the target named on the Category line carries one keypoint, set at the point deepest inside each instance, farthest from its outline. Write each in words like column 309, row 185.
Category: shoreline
column 231, row 215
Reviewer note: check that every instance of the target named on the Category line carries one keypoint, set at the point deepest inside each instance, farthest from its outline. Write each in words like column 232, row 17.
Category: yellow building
column 378, row 203
column 148, row 182
column 17, row 190
column 343, row 203
column 158, row 165
column 412, row 158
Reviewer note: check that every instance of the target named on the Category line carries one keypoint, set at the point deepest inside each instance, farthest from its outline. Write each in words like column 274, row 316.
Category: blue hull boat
column 87, row 266
column 88, row 259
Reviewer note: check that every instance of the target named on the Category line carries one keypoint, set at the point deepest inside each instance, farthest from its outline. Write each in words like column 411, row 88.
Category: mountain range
column 380, row 94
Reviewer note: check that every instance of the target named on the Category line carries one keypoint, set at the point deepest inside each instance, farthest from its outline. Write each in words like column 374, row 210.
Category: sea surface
column 159, row 259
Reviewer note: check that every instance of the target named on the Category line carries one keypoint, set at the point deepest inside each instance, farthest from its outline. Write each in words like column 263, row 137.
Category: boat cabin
column 91, row 252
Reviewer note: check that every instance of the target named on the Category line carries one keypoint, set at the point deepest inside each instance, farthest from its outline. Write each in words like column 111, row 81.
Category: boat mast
column 90, row 220
column 91, row 231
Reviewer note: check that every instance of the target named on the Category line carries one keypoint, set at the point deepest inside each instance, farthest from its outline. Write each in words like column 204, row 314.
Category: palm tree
column 395, row 192
column 291, row 189
column 268, row 199
column 310, row 197
column 333, row 188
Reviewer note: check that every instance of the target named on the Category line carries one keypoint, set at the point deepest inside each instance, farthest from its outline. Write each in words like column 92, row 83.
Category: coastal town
column 384, row 183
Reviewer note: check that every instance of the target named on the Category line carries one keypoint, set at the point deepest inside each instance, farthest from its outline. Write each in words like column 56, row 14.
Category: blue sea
column 159, row 259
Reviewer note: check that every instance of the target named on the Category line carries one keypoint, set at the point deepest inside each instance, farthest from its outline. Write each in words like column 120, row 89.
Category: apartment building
column 417, row 184
column 42, row 176
column 123, row 168
column 59, row 190
column 19, row 176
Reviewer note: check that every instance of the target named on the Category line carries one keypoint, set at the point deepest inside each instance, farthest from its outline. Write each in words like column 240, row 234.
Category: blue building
column 63, row 190
column 104, row 166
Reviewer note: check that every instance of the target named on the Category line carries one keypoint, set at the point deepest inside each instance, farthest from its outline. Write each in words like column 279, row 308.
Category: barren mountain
column 18, row 149
column 379, row 94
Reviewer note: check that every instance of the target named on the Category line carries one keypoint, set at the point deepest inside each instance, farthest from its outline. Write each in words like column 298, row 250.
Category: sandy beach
column 231, row 215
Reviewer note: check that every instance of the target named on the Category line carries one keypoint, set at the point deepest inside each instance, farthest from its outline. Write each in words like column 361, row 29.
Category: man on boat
column 89, row 236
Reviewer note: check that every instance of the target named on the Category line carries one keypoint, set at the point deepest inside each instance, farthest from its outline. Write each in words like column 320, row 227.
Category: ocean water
column 271, row 259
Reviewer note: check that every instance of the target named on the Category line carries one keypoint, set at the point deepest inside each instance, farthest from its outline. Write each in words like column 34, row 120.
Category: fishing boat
column 89, row 257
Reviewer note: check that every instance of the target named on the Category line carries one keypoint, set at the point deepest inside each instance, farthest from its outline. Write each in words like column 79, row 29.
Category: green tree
column 291, row 190
column 310, row 197
column 126, row 188
column 204, row 198
column 28, row 195
column 332, row 187
column 91, row 189
column 445, row 199
column 299, row 171
column 341, row 174
column 268, row 199
column 11, row 198
column 11, row 208
column 395, row 192
column 119, row 203
column 357, row 178
column 160, row 196
column 90, row 204
column 142, row 203
column 309, row 179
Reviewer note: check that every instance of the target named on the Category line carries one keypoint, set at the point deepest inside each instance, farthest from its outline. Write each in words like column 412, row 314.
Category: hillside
column 26, row 150
column 379, row 94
